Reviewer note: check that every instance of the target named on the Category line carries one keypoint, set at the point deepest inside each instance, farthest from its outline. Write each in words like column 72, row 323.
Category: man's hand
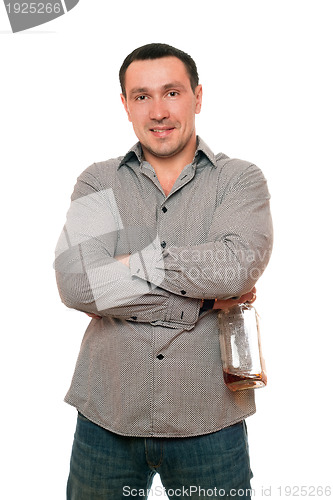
column 124, row 259
column 227, row 304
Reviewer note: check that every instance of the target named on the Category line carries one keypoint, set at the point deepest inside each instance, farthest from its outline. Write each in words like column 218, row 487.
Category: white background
column 265, row 67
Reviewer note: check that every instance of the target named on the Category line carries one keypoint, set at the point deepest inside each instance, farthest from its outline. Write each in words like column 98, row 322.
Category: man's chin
column 159, row 154
column 164, row 150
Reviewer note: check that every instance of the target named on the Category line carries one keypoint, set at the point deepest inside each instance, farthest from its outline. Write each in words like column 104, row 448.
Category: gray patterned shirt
column 151, row 366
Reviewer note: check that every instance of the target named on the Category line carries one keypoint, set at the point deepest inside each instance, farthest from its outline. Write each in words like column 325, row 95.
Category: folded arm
column 158, row 285
column 235, row 254
column 89, row 276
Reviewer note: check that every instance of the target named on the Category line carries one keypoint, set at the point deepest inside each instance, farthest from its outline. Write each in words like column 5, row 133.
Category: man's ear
column 124, row 101
column 198, row 98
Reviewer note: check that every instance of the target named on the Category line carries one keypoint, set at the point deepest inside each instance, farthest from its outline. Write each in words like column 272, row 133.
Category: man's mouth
column 161, row 132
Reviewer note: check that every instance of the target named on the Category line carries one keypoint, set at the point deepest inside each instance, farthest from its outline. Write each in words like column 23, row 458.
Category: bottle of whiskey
column 242, row 361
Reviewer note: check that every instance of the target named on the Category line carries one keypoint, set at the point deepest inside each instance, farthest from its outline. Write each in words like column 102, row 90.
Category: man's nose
column 158, row 110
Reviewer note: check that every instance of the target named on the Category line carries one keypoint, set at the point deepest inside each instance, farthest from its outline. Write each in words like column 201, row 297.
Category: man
column 155, row 243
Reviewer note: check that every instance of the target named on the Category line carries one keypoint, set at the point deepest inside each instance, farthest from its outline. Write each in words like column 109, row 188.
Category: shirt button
column 160, row 356
column 183, row 292
column 163, row 244
column 164, row 209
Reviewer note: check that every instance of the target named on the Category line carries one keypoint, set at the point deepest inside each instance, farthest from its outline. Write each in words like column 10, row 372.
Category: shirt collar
column 202, row 147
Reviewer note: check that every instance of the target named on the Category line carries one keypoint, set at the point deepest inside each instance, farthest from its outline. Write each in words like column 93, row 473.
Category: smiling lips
column 161, row 131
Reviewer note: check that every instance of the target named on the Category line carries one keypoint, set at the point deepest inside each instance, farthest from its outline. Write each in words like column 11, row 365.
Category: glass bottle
column 242, row 361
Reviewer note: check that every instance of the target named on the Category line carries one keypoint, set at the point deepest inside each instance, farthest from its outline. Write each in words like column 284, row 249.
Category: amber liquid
column 240, row 382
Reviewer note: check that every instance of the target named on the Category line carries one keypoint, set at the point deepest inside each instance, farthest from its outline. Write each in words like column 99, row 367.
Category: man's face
column 161, row 105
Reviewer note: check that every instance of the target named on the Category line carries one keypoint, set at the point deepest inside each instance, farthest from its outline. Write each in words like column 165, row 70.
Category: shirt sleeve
column 90, row 279
column 237, row 249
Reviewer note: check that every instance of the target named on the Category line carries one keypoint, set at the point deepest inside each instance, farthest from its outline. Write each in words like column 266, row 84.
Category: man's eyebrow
column 173, row 85
column 139, row 90
column 167, row 86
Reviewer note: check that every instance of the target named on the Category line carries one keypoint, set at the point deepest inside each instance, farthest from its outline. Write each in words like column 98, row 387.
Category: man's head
column 158, row 51
column 161, row 95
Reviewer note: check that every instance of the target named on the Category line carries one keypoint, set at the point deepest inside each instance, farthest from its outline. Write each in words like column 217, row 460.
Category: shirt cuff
column 182, row 310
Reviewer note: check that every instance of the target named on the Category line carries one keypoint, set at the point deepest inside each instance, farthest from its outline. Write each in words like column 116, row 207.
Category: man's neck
column 171, row 166
column 168, row 169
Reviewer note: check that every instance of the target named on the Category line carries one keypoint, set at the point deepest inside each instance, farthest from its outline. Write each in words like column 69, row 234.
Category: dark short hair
column 157, row 51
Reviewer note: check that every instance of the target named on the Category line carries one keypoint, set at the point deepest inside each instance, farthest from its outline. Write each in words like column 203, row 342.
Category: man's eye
column 141, row 98
column 173, row 93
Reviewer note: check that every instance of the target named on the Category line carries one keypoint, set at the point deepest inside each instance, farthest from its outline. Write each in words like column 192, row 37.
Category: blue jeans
column 107, row 466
